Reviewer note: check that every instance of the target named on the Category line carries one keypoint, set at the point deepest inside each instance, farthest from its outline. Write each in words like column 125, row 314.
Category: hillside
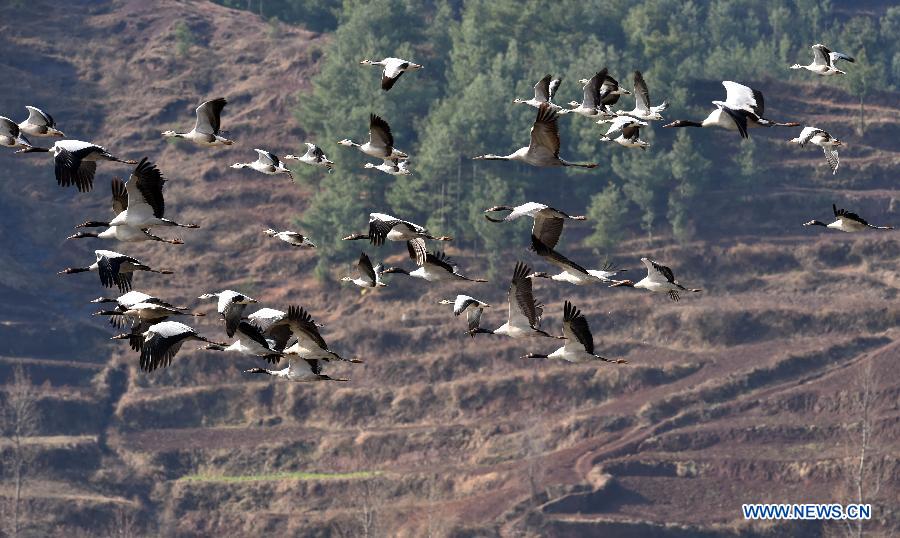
column 747, row 392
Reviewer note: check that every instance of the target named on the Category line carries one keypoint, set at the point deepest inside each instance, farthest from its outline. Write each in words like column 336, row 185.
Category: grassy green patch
column 297, row 475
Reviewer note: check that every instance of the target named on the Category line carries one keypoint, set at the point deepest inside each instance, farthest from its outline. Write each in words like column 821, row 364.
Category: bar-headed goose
column 579, row 340
column 11, row 136
column 123, row 232
column 543, row 150
column 267, row 162
column 436, row 267
column 630, row 137
column 231, row 305
column 207, row 127
column 314, row 156
column 825, row 141
column 847, row 222
column 659, row 279
column 618, row 125
column 524, row 315
column 114, row 269
column 471, row 306
column 299, row 370
column 590, row 105
column 75, row 162
column 394, row 167
column 824, row 60
column 393, row 68
column 39, row 123
column 161, row 342
column 367, row 276
column 743, row 108
column 642, row 108
column 544, row 91
column 309, row 344
column 381, row 141
column 385, row 227
column 291, row 238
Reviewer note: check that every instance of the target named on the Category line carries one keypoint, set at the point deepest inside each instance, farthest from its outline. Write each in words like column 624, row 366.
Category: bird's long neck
column 354, row 237
column 82, row 235
column 479, row 330
column 685, row 123
column 71, row 270
column 492, row 157
column 816, row 223
column 261, row 371
column 535, row 356
column 33, row 149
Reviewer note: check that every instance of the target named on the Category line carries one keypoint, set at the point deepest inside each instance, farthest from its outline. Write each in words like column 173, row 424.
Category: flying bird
column 524, row 316
column 314, row 156
column 544, row 91
column 207, row 127
column 824, row 60
column 267, row 163
column 591, row 104
column 231, row 305
column 385, row 227
column 114, row 269
column 471, row 306
column 291, row 238
column 548, row 221
column 394, row 167
column 847, row 222
column 393, row 68
column 381, row 141
column 75, row 162
column 659, row 279
column 39, row 123
column 160, row 343
column 743, row 108
column 436, row 267
column 543, row 150
column 367, row 276
column 579, row 347
column 825, row 141
column 11, row 136
column 642, row 108
column 299, row 370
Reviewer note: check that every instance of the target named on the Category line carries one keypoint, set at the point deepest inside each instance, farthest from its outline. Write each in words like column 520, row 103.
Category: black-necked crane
column 123, row 232
column 572, row 272
column 309, row 344
column 75, row 162
column 393, row 68
column 845, row 221
column 144, row 204
column 39, row 123
column 160, row 343
column 544, row 91
column 548, row 221
column 231, row 305
column 590, row 105
column 659, row 279
column 821, row 138
column 250, row 342
column 141, row 316
column 824, row 60
column 394, row 167
column 11, row 136
column 437, row 267
column 471, row 306
column 579, row 347
column 367, row 275
column 743, row 108
column 524, row 314
column 314, row 156
column 299, row 370
column 115, row 269
column 267, row 163
column 275, row 325
column 642, row 108
column 381, row 141
column 208, row 125
column 132, row 298
column 291, row 238
column 543, row 149
column 385, row 227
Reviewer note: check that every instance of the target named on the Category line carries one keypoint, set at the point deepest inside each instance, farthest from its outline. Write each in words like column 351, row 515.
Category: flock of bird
column 138, row 206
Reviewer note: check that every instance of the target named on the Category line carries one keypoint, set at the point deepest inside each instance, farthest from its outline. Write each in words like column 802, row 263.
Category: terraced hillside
column 751, row 391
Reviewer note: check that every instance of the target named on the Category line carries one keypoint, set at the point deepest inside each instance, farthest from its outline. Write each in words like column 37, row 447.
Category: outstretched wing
column 208, row 116
column 545, row 131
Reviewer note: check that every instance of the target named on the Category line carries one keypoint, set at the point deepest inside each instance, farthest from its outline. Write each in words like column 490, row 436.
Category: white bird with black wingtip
column 291, row 238
column 579, row 347
column 367, row 275
column 642, row 108
column 75, row 162
column 115, row 269
column 161, row 342
column 39, row 123
column 544, row 91
column 524, row 314
column 381, row 141
column 471, row 306
column 231, row 305
column 847, row 221
column 385, row 227
column 314, row 156
column 659, row 279
column 824, row 60
column 393, row 68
